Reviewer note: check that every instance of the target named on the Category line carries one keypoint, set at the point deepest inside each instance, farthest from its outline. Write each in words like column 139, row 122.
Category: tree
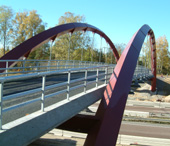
column 146, row 51
column 163, row 55
column 6, row 14
column 26, row 25
column 71, row 46
column 70, row 17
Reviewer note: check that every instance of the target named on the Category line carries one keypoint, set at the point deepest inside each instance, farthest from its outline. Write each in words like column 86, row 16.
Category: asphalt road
column 148, row 109
column 29, row 84
column 127, row 128
column 145, row 129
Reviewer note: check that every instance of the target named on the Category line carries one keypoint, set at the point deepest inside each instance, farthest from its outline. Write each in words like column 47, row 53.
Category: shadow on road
column 163, row 87
column 53, row 142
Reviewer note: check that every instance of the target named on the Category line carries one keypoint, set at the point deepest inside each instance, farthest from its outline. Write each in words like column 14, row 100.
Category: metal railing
column 31, row 66
column 142, row 72
column 100, row 74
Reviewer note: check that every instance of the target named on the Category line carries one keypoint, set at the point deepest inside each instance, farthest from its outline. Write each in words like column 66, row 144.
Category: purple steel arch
column 29, row 45
column 112, row 106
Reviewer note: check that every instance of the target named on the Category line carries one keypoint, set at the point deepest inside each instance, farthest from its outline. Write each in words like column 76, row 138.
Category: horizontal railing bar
column 21, row 104
column 77, row 80
column 101, row 74
column 102, row 79
column 21, row 94
column 54, row 94
column 55, row 85
column 10, row 78
column 91, row 82
column 33, row 60
column 92, row 76
column 76, row 87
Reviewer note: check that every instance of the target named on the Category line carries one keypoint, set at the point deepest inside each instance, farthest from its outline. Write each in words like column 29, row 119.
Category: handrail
column 30, row 66
column 45, row 87
column 101, row 75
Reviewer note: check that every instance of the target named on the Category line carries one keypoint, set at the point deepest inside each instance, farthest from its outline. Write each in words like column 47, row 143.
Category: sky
column 119, row 19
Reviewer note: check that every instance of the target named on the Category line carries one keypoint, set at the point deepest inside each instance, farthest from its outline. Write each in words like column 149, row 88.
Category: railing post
column 23, row 66
column 66, row 64
column 37, row 66
column 106, row 75
column 43, row 93
column 68, row 84
column 97, row 77
column 6, row 71
column 85, row 81
column 73, row 64
column 57, row 64
column 1, row 95
column 49, row 65
column 79, row 64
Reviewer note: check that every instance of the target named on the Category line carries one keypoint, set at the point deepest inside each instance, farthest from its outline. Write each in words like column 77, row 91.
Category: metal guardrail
column 101, row 75
column 31, row 66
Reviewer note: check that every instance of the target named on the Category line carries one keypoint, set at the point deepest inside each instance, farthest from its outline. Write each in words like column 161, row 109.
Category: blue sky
column 119, row 19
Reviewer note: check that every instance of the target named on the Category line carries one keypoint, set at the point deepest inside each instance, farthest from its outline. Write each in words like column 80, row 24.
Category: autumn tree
column 163, row 55
column 110, row 57
column 72, row 46
column 26, row 25
column 6, row 14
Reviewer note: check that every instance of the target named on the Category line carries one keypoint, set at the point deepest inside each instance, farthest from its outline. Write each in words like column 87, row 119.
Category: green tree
column 71, row 46
column 26, row 25
column 163, row 55
column 146, row 51
column 6, row 14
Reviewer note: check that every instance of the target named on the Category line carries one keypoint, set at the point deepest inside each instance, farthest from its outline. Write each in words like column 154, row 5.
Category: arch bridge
column 113, row 93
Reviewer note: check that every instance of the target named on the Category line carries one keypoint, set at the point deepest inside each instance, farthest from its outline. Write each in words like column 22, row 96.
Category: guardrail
column 100, row 75
column 31, row 66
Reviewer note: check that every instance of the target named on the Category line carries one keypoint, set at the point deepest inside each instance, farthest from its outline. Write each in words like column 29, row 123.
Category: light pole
column 51, row 49
column 69, row 46
column 105, row 53
column 92, row 48
column 100, row 50
column 83, row 46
